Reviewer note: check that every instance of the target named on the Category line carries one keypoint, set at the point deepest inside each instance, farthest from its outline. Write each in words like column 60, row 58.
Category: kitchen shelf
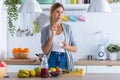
column 76, row 6
column 81, row 7
column 67, row 6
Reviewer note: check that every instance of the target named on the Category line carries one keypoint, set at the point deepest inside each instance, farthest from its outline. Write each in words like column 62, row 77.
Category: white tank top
column 57, row 41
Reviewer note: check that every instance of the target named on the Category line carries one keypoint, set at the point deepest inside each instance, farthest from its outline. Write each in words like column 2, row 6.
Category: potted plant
column 12, row 14
column 113, row 49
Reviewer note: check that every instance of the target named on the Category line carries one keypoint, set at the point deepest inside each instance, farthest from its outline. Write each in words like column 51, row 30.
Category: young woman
column 58, row 41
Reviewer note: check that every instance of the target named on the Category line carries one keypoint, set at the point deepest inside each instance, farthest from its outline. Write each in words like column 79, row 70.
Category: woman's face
column 57, row 14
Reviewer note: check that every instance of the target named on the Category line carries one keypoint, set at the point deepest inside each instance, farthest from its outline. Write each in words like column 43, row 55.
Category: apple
column 52, row 69
column 37, row 69
column 3, row 64
column 54, row 74
column 58, row 69
column 3, row 69
column 38, row 74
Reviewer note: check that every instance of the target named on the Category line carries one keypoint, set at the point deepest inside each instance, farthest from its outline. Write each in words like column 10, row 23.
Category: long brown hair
column 54, row 7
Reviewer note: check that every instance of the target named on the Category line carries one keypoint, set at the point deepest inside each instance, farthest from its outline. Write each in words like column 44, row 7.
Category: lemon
column 52, row 69
column 32, row 73
column 76, row 69
column 82, row 72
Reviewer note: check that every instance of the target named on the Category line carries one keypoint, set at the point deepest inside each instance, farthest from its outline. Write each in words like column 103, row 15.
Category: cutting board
column 28, row 61
column 73, row 74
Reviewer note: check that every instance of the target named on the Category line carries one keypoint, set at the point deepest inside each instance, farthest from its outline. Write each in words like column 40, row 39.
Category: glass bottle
column 44, row 67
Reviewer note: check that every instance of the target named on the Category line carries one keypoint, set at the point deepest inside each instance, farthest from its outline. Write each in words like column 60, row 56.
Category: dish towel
column 36, row 27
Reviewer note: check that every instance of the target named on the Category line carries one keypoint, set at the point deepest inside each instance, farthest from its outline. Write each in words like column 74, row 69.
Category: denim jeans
column 57, row 59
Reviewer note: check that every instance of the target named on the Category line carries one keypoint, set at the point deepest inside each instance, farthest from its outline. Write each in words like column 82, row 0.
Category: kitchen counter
column 28, row 61
column 87, row 76
column 98, row 62
column 35, row 61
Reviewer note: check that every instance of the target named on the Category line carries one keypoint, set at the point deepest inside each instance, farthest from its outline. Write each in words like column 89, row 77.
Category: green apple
column 38, row 74
column 37, row 69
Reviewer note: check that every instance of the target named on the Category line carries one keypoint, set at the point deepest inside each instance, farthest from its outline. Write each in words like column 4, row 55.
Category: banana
column 24, row 72
column 22, row 75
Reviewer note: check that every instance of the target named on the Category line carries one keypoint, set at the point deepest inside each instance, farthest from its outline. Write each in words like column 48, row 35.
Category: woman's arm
column 48, row 44
column 69, row 47
column 69, row 44
column 72, row 48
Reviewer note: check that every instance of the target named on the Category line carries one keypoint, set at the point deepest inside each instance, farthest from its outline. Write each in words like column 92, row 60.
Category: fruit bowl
column 24, row 55
column 55, row 74
column 16, row 55
column 19, row 53
column 3, row 69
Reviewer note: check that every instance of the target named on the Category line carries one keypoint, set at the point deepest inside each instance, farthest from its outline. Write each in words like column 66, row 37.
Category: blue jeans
column 57, row 60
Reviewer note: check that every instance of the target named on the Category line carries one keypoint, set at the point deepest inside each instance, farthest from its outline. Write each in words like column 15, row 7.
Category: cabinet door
column 103, row 69
column 81, row 67
column 16, row 68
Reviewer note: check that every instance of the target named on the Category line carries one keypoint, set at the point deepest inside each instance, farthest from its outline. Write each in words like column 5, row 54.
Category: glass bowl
column 55, row 74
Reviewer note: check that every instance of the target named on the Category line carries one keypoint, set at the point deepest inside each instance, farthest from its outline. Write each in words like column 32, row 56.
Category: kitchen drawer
column 103, row 69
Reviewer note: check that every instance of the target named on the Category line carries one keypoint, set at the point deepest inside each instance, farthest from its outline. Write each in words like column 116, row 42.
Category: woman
column 57, row 40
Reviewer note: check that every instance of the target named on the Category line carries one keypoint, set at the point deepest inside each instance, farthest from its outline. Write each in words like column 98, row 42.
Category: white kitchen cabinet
column 15, row 68
column 103, row 69
column 81, row 67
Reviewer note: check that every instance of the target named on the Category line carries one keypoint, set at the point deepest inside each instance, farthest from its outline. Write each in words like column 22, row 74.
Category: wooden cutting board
column 28, row 61
column 73, row 74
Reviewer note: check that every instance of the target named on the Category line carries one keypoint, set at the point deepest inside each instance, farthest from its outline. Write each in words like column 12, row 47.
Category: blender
column 102, row 41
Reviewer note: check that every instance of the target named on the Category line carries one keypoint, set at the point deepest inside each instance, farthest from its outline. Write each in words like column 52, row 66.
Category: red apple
column 58, row 69
column 3, row 64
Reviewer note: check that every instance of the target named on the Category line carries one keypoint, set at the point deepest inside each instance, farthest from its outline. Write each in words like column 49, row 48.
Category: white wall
column 84, row 34
column 0, row 27
column 33, row 43
column 3, row 32
column 95, row 22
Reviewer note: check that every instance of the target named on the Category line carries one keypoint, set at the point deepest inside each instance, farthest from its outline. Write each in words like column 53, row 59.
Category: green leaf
column 12, row 14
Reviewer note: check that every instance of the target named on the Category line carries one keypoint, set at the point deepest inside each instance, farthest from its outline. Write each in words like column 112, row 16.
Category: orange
column 14, row 50
column 25, row 50
column 19, row 50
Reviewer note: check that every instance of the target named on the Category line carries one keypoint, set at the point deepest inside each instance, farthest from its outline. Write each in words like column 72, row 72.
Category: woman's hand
column 65, row 45
column 54, row 27
column 69, row 47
